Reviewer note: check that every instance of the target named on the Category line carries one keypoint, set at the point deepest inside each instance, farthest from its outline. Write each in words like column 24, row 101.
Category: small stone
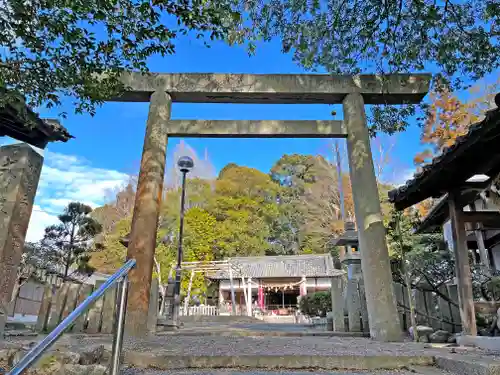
column 48, row 364
column 424, row 330
column 16, row 357
column 484, row 332
column 82, row 370
column 92, row 355
column 5, row 355
column 67, row 358
column 440, row 336
column 423, row 338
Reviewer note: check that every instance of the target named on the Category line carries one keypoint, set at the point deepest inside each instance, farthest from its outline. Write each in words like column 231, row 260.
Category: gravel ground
column 131, row 371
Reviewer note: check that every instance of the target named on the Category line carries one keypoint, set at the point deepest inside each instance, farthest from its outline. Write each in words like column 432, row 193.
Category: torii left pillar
column 146, row 212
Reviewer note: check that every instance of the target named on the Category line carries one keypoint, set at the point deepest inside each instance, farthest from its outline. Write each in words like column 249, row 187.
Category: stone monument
column 20, row 167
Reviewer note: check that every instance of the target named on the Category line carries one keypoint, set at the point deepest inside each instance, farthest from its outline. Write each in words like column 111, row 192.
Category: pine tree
column 70, row 242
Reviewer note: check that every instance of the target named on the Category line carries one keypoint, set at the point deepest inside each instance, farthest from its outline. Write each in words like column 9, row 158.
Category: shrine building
column 275, row 283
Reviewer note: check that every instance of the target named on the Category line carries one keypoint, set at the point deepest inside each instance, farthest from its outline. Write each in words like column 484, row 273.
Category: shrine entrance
column 161, row 90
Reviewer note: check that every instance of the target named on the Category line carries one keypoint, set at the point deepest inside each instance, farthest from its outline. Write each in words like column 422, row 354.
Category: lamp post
column 185, row 164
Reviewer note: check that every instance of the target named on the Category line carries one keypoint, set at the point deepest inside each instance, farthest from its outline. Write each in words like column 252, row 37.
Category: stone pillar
column 364, row 311
column 153, row 306
column 20, row 168
column 169, row 297
column 337, row 304
column 146, row 210
column 381, row 305
column 352, row 300
column 462, row 267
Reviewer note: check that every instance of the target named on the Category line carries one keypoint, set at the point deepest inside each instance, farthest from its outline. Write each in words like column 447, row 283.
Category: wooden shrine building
column 452, row 177
column 274, row 283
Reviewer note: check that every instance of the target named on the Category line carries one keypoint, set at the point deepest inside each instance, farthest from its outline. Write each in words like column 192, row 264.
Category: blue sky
column 107, row 148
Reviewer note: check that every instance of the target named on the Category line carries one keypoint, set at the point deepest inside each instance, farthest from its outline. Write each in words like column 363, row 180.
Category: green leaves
column 458, row 40
column 55, row 48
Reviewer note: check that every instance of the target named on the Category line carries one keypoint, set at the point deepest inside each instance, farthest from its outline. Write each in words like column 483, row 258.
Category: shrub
column 316, row 304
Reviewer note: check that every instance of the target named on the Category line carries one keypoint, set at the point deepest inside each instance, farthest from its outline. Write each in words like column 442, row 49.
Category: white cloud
column 64, row 179
column 403, row 175
column 38, row 221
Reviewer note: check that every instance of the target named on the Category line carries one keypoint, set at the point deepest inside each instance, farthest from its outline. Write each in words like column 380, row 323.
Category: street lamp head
column 185, row 164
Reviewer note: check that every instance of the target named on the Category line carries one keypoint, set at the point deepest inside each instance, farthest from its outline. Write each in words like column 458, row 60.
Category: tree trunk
column 70, row 250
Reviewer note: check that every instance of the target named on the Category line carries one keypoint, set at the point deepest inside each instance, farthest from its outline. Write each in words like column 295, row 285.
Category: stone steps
column 146, row 360
column 468, row 364
column 131, row 371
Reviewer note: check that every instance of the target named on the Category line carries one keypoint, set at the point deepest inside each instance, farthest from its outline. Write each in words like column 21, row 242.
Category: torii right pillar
column 381, row 304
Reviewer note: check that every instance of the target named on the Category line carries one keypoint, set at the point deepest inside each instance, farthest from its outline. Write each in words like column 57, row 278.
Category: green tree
column 456, row 39
column 199, row 243
column 69, row 243
column 295, row 174
column 245, row 206
column 53, row 48
column 309, row 203
column 114, row 254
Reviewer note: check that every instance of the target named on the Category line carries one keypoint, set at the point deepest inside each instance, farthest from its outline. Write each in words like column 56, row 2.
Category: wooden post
column 249, row 297
column 190, row 285
column 483, row 252
column 233, row 297
column 146, row 212
column 399, row 292
column 243, row 286
column 462, row 267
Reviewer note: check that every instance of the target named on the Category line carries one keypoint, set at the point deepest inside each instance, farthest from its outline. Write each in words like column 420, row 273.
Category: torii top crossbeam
column 275, row 88
column 212, row 266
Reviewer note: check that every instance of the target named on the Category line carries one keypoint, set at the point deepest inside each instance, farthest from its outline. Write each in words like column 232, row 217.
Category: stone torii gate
column 161, row 90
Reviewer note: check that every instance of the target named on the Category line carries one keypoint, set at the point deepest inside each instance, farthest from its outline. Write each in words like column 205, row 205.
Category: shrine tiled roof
column 473, row 153
column 18, row 121
column 283, row 266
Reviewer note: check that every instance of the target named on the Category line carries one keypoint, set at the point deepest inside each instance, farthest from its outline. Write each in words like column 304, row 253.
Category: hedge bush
column 316, row 304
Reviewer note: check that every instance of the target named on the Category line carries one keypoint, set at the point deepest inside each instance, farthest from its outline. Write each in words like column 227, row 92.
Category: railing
column 199, row 310
column 51, row 338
